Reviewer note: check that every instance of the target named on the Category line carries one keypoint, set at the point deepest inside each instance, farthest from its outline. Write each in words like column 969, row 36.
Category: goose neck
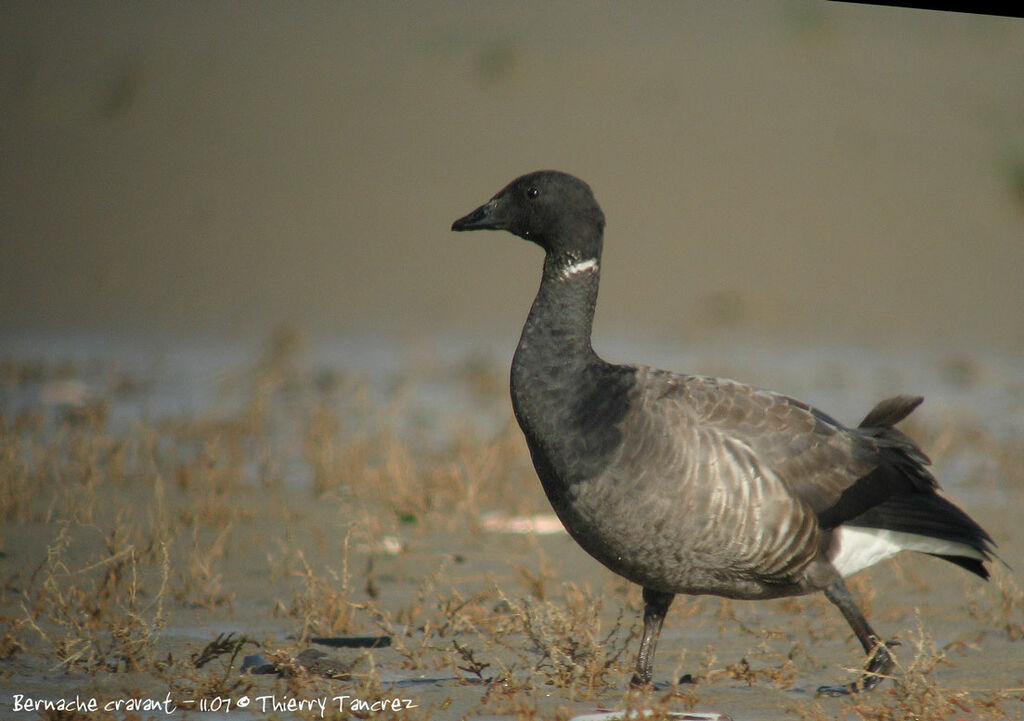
column 562, row 316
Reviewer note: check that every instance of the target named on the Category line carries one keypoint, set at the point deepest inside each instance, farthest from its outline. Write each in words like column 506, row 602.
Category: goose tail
column 920, row 520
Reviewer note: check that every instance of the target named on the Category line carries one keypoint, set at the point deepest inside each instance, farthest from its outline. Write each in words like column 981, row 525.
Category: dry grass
column 568, row 646
column 97, row 616
column 324, row 606
column 999, row 604
column 304, row 503
column 913, row 694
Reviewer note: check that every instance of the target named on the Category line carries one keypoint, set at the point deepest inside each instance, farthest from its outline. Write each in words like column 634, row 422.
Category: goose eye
column 532, row 193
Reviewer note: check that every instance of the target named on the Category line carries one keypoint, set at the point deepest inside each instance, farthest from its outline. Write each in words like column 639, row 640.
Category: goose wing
column 836, row 471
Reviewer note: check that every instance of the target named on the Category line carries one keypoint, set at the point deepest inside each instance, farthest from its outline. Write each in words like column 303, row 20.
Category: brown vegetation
column 154, row 556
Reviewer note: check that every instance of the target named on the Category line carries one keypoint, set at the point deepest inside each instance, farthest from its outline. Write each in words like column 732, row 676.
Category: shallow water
column 147, row 378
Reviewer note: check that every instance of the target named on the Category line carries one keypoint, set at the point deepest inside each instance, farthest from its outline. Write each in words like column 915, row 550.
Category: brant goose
column 698, row 485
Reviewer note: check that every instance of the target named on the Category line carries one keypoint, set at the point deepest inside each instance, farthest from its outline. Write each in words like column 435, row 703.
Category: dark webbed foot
column 879, row 668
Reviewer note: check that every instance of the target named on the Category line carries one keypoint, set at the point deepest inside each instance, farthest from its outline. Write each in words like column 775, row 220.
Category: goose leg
column 880, row 662
column 656, row 605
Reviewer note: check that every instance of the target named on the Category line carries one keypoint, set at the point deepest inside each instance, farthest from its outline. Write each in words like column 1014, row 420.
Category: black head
column 555, row 210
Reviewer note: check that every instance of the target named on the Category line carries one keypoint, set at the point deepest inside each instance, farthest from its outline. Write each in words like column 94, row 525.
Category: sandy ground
column 157, row 500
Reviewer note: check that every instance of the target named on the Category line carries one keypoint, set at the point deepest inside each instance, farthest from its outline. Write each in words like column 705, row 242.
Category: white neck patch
column 580, row 266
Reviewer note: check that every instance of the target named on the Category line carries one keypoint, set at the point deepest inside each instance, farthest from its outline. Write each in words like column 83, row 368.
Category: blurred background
column 826, row 172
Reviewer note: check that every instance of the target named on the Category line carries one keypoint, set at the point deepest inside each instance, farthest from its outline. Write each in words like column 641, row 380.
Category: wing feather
column 837, row 471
